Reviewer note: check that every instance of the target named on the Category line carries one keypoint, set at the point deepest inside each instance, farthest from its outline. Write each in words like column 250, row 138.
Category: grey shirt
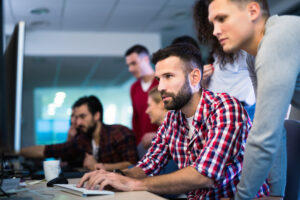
column 276, row 80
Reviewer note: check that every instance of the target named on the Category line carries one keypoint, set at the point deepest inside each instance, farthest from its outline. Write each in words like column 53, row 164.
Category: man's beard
column 181, row 99
column 90, row 130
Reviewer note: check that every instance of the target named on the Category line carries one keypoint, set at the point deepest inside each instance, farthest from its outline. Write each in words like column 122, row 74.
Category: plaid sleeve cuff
column 209, row 164
column 144, row 165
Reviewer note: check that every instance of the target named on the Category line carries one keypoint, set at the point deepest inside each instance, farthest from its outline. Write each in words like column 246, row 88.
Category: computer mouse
column 58, row 180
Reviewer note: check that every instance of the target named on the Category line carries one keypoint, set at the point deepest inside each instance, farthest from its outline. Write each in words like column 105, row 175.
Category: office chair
column 292, row 191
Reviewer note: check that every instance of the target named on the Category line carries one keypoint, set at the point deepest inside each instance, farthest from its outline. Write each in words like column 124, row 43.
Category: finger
column 104, row 172
column 206, row 66
column 104, row 183
column 208, row 72
column 206, row 75
column 83, row 179
column 93, row 178
column 96, row 180
column 205, row 71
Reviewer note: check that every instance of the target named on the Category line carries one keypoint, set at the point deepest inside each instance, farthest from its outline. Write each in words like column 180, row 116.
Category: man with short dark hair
column 204, row 133
column 275, row 73
column 138, row 61
column 96, row 145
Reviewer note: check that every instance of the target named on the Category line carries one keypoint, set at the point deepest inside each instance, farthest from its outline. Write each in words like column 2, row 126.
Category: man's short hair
column 186, row 39
column 189, row 54
column 93, row 103
column 155, row 95
column 139, row 49
column 263, row 5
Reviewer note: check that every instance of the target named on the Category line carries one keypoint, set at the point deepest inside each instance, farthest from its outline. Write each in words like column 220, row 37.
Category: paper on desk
column 34, row 182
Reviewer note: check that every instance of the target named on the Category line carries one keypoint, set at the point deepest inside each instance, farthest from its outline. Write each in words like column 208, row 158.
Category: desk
column 40, row 191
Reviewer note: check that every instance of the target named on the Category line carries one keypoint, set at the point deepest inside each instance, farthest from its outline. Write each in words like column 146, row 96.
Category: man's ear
column 97, row 116
column 195, row 77
column 146, row 59
column 254, row 10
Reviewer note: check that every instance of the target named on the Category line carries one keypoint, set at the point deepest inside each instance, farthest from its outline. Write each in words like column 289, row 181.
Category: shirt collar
column 198, row 116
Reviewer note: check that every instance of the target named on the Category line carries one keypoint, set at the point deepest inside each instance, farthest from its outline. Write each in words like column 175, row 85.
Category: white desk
column 40, row 191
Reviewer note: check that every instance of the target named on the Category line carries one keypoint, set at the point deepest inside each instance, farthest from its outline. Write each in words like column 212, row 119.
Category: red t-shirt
column 140, row 120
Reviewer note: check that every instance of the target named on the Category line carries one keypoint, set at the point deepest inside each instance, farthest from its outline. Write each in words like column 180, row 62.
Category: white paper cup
column 51, row 169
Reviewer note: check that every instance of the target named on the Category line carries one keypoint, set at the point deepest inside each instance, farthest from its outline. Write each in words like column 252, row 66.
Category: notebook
column 71, row 188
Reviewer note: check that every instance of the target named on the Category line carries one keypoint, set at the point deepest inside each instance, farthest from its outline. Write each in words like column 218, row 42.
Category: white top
column 145, row 85
column 95, row 149
column 191, row 127
column 234, row 80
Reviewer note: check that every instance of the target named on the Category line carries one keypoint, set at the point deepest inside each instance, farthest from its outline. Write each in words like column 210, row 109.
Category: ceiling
column 100, row 15
column 109, row 15
column 170, row 18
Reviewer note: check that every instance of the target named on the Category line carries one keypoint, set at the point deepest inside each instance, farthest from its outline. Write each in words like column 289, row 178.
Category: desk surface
column 41, row 191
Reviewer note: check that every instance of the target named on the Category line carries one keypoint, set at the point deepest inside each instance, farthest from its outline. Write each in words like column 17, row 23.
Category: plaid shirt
column 215, row 150
column 117, row 144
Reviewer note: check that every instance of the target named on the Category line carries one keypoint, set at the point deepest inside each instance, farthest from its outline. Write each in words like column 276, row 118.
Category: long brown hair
column 205, row 34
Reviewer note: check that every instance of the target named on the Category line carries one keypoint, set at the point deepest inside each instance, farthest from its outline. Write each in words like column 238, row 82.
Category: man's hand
column 99, row 166
column 147, row 139
column 89, row 162
column 104, row 178
column 72, row 132
column 208, row 70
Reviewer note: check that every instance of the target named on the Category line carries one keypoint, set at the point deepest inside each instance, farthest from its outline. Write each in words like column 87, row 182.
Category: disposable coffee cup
column 51, row 169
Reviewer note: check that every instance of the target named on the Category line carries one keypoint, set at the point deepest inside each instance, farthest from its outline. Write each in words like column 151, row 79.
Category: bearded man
column 96, row 145
column 204, row 133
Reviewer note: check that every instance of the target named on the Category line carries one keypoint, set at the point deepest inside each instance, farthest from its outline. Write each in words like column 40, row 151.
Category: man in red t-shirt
column 138, row 61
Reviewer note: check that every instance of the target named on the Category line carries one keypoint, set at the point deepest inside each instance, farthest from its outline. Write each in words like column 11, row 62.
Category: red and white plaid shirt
column 215, row 150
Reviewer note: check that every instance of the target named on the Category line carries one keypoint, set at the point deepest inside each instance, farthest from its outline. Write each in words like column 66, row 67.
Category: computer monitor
column 11, row 91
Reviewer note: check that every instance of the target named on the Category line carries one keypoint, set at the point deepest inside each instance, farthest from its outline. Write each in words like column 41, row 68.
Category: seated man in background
column 96, row 145
column 204, row 133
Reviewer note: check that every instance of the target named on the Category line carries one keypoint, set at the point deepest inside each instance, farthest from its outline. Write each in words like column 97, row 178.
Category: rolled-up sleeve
column 158, row 155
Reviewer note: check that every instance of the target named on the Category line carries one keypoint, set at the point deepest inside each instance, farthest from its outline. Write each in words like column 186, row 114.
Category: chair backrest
column 292, row 191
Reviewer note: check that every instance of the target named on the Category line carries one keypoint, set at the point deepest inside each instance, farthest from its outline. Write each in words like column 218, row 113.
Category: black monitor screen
column 11, row 94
